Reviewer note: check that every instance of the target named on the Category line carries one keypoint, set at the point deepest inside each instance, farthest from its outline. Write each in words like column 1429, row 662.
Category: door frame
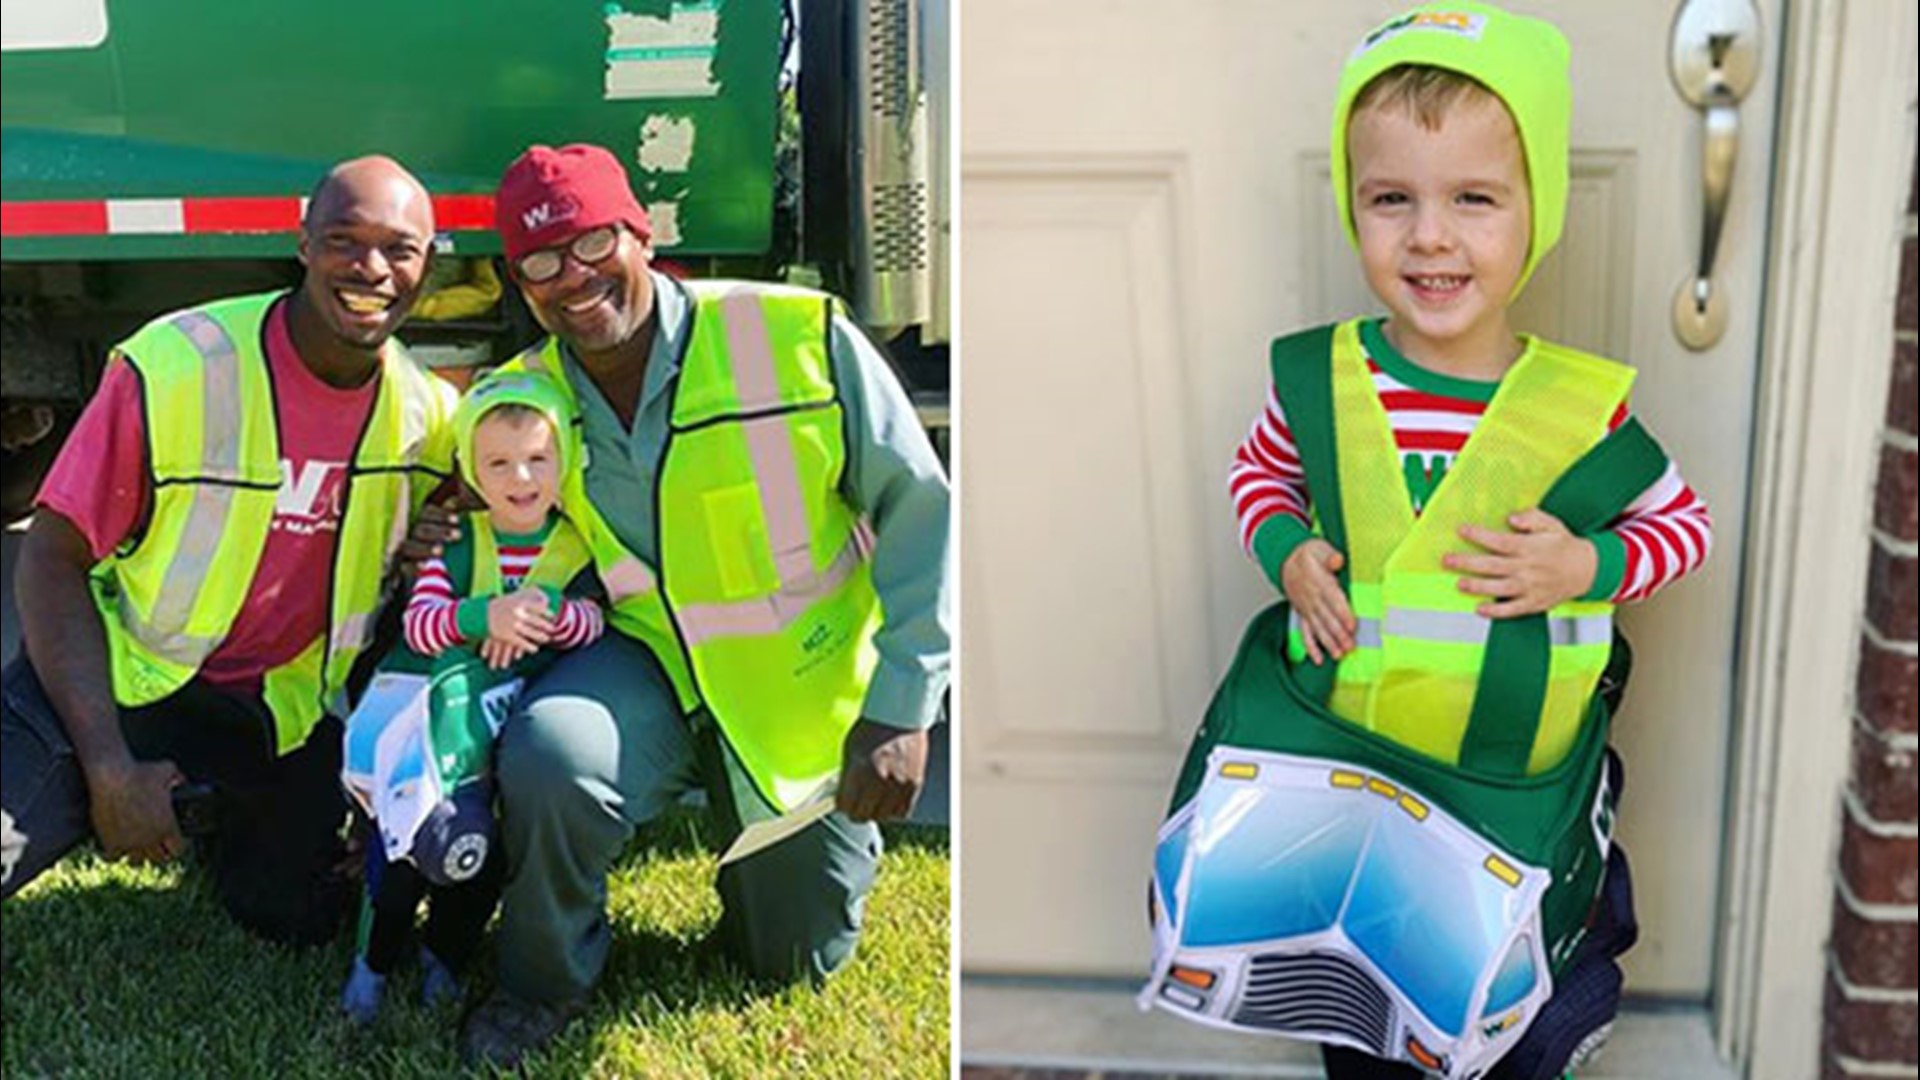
column 1845, row 141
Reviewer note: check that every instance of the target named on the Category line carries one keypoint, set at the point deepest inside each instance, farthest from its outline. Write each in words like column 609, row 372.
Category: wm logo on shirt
column 310, row 498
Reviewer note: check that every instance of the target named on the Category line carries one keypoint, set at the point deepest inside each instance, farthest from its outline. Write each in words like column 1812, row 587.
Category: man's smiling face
column 367, row 244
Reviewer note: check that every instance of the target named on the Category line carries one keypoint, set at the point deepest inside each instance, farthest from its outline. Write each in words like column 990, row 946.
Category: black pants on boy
column 456, row 914
column 275, row 854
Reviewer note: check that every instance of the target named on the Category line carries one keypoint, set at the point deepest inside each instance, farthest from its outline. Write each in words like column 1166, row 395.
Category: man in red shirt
column 84, row 754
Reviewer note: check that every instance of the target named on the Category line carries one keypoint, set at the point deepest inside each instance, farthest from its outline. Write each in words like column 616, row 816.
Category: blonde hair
column 1422, row 91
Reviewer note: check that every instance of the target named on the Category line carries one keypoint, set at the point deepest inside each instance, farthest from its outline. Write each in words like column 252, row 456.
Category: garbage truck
column 157, row 154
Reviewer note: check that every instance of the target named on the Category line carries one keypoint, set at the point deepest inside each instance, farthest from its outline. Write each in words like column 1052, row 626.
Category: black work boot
column 504, row 1029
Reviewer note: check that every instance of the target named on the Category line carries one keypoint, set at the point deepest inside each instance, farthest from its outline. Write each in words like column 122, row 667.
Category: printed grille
column 899, row 228
column 1316, row 994
column 887, row 57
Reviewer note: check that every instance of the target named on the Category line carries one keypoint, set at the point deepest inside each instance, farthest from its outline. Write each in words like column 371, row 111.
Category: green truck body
column 237, row 107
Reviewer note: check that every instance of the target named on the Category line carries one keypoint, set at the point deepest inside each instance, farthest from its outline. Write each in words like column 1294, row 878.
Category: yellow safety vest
column 764, row 608
column 563, row 554
column 1420, row 644
column 170, row 596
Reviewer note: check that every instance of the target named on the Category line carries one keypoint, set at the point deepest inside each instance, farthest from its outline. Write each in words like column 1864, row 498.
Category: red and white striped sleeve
column 580, row 623
column 1667, row 532
column 428, row 621
column 1266, row 477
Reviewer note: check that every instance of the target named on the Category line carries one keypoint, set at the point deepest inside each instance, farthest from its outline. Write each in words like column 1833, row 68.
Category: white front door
column 1144, row 206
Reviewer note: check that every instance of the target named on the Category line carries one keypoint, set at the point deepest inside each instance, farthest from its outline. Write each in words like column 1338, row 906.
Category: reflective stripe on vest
column 1421, row 647
column 170, row 598
column 764, row 609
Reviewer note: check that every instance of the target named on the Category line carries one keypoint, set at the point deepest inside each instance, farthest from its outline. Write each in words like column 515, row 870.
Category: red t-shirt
column 100, row 483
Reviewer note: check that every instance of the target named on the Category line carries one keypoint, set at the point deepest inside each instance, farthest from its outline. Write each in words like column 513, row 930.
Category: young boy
column 1434, row 441
column 494, row 592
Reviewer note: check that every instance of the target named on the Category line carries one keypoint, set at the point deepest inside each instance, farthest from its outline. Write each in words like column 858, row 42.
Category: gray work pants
column 597, row 747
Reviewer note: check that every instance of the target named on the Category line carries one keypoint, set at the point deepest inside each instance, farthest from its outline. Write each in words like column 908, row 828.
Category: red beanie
column 548, row 196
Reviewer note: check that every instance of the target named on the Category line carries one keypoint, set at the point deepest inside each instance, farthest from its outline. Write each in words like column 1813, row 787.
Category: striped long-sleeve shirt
column 431, row 622
column 1664, row 534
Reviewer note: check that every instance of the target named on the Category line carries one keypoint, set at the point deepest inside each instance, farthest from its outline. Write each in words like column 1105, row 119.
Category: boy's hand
column 520, row 620
column 499, row 655
column 1536, row 566
column 1326, row 619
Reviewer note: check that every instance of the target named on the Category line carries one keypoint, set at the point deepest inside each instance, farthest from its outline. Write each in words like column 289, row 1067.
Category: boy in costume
column 476, row 615
column 1451, row 511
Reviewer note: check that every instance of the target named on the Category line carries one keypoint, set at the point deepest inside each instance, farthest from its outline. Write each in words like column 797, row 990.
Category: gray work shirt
column 892, row 478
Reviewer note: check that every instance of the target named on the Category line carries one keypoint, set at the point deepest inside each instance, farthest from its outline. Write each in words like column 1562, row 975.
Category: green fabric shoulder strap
column 458, row 556
column 1302, row 366
column 1513, row 679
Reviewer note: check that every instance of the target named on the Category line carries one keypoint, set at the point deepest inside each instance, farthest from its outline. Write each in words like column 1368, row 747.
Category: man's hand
column 1536, row 566
column 517, row 624
column 881, row 771
column 1326, row 619
column 131, row 804
column 437, row 526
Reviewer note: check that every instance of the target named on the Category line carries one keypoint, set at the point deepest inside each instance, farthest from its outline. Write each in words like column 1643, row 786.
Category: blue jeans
column 274, row 853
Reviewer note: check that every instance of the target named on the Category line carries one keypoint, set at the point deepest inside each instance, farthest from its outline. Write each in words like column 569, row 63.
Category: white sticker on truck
column 665, row 219
column 52, row 24
column 650, row 57
column 666, row 143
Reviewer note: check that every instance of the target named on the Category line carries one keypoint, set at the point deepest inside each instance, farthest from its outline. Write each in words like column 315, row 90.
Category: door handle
column 1714, row 60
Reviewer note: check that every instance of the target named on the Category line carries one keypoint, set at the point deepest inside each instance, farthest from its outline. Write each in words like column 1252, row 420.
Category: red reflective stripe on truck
column 241, row 215
column 462, row 212
column 52, row 218
column 224, row 215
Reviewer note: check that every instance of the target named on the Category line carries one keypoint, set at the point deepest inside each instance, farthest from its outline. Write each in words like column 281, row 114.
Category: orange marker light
column 1193, row 977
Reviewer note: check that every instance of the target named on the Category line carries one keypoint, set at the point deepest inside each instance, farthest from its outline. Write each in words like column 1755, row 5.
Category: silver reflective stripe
column 700, row 623
column 749, row 351
column 627, row 577
column 1466, row 628
column 1458, row 627
column 1585, row 630
column 161, row 629
column 769, row 442
column 169, row 643
column 220, row 393
column 351, row 633
column 1366, row 632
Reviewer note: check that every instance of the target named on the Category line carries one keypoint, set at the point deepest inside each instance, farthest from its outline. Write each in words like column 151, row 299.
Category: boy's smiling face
column 516, row 468
column 1443, row 217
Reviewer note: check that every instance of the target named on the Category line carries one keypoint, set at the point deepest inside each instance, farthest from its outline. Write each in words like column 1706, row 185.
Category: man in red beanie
column 771, row 526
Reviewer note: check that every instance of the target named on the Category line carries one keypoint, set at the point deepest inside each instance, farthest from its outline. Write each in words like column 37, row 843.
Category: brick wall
column 1873, row 962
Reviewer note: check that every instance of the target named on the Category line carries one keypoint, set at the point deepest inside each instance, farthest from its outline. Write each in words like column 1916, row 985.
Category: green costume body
column 1556, row 819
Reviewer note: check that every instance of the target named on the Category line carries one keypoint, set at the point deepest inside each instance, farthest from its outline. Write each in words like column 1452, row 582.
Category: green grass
column 119, row 971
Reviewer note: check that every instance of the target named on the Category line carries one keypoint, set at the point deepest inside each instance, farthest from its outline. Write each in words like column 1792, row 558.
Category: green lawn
column 117, row 971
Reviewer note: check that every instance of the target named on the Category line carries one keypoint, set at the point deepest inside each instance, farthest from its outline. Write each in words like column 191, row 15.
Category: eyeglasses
column 590, row 247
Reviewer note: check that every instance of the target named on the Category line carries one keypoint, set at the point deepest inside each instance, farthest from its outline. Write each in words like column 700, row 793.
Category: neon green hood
column 511, row 388
column 1522, row 60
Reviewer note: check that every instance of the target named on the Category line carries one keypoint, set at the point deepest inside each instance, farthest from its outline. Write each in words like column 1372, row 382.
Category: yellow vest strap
column 220, row 393
column 162, row 627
